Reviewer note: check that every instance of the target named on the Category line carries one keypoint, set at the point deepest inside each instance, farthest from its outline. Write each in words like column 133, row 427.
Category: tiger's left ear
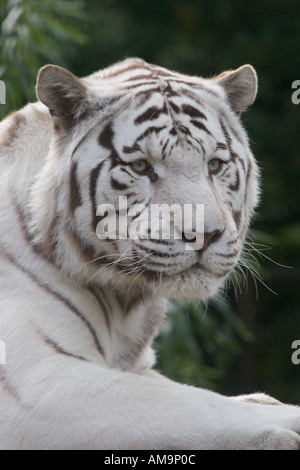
column 63, row 93
column 240, row 86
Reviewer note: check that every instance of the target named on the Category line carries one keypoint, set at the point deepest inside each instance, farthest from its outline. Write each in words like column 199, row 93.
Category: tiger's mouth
column 196, row 281
column 163, row 271
column 166, row 260
column 195, row 269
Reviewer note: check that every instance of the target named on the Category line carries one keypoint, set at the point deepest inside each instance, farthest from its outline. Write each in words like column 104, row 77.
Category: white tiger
column 78, row 314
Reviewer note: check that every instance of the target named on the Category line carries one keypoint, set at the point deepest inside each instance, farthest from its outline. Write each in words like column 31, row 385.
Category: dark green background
column 242, row 344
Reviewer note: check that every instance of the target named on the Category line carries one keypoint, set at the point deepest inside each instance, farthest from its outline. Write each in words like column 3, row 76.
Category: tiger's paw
column 266, row 425
column 261, row 398
column 279, row 439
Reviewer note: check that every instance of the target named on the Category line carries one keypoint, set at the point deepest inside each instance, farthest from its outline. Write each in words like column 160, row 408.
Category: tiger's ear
column 63, row 93
column 240, row 86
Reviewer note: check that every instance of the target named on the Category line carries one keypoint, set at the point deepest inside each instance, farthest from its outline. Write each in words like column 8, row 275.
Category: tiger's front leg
column 77, row 405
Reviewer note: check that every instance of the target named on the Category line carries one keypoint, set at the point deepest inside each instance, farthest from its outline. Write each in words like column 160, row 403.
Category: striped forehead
column 155, row 121
column 155, row 111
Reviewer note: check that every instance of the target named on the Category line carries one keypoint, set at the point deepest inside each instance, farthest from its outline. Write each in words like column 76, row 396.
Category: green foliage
column 33, row 33
column 197, row 343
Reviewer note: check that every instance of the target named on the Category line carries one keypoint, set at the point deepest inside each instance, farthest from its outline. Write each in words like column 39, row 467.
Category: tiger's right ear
column 63, row 93
column 240, row 87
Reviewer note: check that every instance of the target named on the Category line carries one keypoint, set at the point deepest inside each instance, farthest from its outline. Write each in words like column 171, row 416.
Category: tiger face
column 139, row 133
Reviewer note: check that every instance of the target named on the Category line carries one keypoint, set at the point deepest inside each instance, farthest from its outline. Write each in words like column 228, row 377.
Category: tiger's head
column 141, row 133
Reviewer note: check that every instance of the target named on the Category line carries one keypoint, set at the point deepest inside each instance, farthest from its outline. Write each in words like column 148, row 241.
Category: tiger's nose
column 208, row 239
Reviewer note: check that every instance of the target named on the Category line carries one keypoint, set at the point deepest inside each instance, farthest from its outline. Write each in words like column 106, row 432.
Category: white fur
column 73, row 378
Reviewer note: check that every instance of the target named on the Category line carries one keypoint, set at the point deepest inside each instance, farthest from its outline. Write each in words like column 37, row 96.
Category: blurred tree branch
column 33, row 33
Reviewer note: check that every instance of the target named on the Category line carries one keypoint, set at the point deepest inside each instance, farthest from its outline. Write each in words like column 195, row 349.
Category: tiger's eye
column 140, row 166
column 215, row 165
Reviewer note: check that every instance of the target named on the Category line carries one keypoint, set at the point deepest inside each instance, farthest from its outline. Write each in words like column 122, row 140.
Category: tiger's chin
column 194, row 283
column 188, row 278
